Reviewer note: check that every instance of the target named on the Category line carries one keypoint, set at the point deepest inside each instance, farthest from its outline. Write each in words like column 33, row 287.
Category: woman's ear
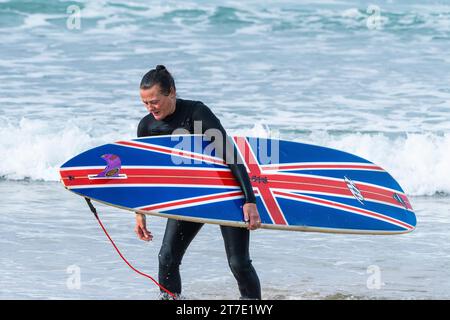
column 172, row 93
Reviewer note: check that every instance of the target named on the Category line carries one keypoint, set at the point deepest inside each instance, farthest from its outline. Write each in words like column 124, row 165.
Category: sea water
column 368, row 78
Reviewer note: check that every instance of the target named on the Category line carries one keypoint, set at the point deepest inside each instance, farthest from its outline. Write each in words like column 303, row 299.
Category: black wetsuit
column 179, row 234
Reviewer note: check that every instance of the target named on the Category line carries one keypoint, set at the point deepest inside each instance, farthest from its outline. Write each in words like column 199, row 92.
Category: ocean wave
column 34, row 150
column 240, row 17
column 420, row 162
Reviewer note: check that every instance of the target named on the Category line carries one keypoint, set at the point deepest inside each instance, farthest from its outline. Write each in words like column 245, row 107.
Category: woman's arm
column 235, row 163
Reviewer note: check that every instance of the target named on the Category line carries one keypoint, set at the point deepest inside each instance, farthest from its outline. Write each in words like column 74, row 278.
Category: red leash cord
column 94, row 211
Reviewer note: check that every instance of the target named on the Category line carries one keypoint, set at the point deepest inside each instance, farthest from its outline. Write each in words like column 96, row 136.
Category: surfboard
column 298, row 186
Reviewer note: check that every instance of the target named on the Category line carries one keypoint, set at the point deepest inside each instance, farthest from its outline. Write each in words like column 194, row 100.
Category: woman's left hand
column 251, row 216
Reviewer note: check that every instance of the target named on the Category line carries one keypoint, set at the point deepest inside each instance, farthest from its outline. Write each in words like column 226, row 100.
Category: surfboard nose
column 409, row 218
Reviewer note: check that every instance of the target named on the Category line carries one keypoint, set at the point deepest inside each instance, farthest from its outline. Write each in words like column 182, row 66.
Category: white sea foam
column 35, row 20
column 352, row 13
column 34, row 149
column 419, row 162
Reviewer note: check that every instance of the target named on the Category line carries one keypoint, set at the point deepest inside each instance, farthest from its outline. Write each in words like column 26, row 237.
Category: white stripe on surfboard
column 83, row 168
column 242, row 157
column 267, row 209
column 169, row 136
column 96, row 177
column 172, row 205
column 80, row 168
column 279, row 208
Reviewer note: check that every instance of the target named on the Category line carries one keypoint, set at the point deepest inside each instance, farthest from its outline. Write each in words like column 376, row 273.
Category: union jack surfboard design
column 297, row 186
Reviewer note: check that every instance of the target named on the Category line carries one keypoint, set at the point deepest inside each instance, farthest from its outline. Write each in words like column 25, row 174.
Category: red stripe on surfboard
column 171, row 151
column 264, row 189
column 151, row 181
column 339, row 187
column 152, row 172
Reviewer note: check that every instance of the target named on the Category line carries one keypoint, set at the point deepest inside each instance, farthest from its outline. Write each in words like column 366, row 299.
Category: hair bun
column 160, row 67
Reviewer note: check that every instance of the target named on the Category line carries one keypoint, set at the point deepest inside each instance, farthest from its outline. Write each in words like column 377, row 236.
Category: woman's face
column 159, row 105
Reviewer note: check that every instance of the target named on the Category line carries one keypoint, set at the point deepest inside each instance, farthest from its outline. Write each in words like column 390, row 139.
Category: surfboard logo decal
column 400, row 200
column 112, row 169
column 259, row 179
column 354, row 190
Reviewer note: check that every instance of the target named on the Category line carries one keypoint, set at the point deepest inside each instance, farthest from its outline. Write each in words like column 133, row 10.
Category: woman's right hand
column 141, row 228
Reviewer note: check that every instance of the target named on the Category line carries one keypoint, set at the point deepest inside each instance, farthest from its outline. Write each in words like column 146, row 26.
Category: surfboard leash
column 94, row 211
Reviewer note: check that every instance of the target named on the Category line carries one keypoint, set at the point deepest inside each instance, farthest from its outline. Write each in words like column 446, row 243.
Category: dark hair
column 161, row 76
